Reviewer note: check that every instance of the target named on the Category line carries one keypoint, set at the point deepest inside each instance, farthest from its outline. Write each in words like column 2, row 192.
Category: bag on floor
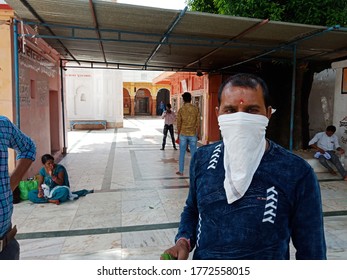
column 26, row 186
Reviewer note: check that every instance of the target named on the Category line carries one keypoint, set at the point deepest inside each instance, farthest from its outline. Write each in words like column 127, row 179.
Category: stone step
column 309, row 157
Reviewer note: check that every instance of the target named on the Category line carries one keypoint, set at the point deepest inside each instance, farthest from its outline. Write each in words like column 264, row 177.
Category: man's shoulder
column 195, row 108
column 317, row 137
column 320, row 134
column 282, row 154
column 205, row 153
column 60, row 166
column 209, row 149
column 4, row 119
column 335, row 136
column 6, row 125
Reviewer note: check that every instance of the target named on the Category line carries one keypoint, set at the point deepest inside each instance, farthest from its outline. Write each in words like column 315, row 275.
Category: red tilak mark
column 241, row 101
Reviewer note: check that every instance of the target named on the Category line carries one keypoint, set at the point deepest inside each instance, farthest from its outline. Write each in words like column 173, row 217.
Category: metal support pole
column 16, row 71
column 292, row 109
column 62, row 105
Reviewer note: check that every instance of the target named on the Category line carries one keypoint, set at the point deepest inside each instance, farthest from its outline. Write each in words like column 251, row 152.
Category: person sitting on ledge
column 54, row 186
column 326, row 143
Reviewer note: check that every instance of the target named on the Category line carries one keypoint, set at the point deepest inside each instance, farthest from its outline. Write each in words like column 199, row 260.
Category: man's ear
column 269, row 112
column 217, row 111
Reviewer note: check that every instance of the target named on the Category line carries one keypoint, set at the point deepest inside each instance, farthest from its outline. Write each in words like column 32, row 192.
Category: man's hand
column 180, row 251
column 314, row 146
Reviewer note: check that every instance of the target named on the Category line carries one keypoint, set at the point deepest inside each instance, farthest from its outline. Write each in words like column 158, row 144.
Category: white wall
column 94, row 94
column 340, row 105
column 139, row 76
column 321, row 101
column 327, row 106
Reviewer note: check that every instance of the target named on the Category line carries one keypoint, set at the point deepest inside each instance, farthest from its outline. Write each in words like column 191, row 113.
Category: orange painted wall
column 6, row 71
column 214, row 83
column 39, row 87
column 206, row 87
column 126, row 102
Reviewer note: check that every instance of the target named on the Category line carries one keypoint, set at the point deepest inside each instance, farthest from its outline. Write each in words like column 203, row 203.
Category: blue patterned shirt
column 283, row 202
column 10, row 137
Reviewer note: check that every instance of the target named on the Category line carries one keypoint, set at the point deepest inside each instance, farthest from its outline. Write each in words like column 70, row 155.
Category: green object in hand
column 167, row 256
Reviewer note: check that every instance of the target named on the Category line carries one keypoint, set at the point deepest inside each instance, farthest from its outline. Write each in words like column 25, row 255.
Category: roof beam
column 326, row 53
column 219, row 43
column 283, row 46
column 240, row 35
column 166, row 35
column 39, row 18
column 96, row 26
column 122, row 66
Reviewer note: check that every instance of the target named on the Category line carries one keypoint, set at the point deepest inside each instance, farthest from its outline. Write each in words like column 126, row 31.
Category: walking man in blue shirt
column 248, row 196
column 11, row 137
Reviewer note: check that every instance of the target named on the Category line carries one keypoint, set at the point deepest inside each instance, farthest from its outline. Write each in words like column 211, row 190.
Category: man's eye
column 253, row 111
column 229, row 110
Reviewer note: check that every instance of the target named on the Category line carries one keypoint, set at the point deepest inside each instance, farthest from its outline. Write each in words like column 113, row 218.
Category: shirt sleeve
column 179, row 120
column 22, row 144
column 190, row 214
column 42, row 172
column 313, row 140
column 307, row 220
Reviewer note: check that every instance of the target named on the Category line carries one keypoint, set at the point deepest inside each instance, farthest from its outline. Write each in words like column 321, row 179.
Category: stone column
column 154, row 99
column 154, row 107
column 132, row 106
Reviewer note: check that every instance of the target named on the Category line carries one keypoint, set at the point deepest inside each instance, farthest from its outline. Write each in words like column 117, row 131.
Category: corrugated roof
column 140, row 37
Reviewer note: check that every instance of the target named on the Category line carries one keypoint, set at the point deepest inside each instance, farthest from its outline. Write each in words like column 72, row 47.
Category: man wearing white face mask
column 248, row 196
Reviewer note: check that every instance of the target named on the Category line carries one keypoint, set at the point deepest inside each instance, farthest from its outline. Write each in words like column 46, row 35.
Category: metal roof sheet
column 159, row 39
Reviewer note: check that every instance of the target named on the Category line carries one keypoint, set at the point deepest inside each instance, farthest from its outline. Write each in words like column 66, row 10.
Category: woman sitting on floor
column 54, row 186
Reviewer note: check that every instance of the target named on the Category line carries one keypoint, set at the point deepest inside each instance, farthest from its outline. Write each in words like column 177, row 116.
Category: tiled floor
column 138, row 198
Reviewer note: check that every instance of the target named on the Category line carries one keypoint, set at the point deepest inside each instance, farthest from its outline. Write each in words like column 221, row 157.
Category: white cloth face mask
column 244, row 146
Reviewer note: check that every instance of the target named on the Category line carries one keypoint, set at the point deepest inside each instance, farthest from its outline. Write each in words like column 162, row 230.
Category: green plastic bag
column 26, row 186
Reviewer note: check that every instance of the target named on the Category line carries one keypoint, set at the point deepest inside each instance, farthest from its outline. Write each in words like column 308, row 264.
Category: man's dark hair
column 187, row 97
column 248, row 81
column 168, row 105
column 331, row 128
column 46, row 158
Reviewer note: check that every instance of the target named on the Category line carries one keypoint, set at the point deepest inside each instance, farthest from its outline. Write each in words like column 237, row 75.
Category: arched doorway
column 143, row 102
column 126, row 102
column 163, row 95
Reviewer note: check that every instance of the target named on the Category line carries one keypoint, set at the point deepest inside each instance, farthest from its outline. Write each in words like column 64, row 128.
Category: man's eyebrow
column 229, row 106
column 247, row 106
column 253, row 106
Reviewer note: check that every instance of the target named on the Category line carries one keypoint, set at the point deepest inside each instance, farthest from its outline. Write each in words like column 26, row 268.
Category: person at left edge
column 13, row 138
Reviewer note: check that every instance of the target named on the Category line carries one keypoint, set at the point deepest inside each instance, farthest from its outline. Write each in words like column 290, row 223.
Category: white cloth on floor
column 326, row 155
column 49, row 193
